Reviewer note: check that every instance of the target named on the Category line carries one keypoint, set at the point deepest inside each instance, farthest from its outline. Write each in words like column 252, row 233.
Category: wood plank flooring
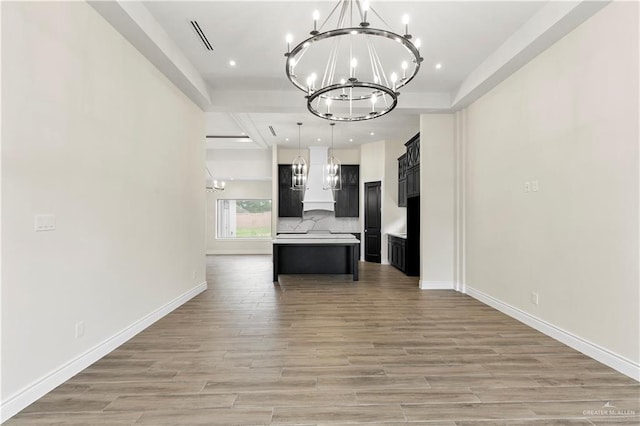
column 326, row 350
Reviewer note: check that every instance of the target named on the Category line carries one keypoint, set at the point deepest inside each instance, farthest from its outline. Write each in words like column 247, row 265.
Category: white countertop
column 393, row 234
column 315, row 239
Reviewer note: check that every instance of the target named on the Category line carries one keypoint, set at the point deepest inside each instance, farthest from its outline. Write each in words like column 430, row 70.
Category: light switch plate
column 45, row 222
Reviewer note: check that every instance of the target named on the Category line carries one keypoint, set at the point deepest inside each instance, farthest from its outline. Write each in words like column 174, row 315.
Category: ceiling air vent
column 273, row 132
column 200, row 33
column 230, row 138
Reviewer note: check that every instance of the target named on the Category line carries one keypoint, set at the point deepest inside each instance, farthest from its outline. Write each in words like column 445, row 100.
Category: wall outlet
column 534, row 298
column 527, row 186
column 79, row 329
column 534, row 185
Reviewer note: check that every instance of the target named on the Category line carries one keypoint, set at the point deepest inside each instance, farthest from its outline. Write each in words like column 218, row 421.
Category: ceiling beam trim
column 550, row 24
column 136, row 24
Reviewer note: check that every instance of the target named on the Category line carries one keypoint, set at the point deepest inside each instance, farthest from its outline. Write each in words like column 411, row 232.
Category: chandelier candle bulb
column 316, row 17
column 394, row 78
column 289, row 39
column 352, row 74
column 365, row 9
column 404, row 65
column 405, row 22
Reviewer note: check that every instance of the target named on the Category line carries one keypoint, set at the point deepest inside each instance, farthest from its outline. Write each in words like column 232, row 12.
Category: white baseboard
column 435, row 285
column 242, row 251
column 23, row 398
column 603, row 355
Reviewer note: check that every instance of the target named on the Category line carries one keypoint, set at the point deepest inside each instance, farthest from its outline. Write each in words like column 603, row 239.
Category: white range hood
column 316, row 198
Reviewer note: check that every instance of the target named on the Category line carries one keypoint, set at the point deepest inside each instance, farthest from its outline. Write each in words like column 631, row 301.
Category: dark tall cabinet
column 289, row 201
column 348, row 198
column 404, row 253
column 412, row 245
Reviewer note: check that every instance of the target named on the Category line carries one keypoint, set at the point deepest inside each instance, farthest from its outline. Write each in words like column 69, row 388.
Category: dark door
column 372, row 222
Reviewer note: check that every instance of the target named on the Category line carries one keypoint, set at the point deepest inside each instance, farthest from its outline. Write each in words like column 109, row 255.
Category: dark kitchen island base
column 315, row 256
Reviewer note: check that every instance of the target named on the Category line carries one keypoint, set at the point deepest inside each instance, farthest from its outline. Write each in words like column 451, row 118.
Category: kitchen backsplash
column 318, row 220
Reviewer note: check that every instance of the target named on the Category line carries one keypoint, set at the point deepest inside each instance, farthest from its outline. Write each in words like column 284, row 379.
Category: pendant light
column 299, row 169
column 332, row 172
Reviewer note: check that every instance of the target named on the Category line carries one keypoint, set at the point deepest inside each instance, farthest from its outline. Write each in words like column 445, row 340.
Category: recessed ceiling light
column 232, row 63
column 438, row 65
column 319, row 140
column 372, row 133
column 286, row 139
column 350, row 140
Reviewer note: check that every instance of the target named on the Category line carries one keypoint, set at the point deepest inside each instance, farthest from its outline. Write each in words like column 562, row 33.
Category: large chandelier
column 363, row 68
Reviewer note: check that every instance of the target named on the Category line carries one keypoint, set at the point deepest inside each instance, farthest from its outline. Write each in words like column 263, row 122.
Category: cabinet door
column 402, row 193
column 348, row 198
column 402, row 166
column 413, row 182
column 413, row 151
column 289, row 201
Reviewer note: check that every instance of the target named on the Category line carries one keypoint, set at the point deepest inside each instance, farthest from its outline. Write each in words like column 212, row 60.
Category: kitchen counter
column 315, row 238
column 315, row 254
column 398, row 235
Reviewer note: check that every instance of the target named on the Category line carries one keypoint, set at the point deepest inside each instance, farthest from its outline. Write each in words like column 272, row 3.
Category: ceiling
column 477, row 43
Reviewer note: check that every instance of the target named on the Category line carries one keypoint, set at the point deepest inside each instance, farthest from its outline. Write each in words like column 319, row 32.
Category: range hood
column 316, row 198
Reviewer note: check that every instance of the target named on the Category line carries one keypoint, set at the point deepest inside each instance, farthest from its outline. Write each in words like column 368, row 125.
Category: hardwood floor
column 323, row 349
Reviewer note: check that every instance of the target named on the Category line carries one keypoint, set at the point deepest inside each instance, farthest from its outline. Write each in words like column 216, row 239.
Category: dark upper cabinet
column 402, row 193
column 413, row 151
column 413, row 167
column 413, row 182
column 402, row 181
column 348, row 198
column 289, row 201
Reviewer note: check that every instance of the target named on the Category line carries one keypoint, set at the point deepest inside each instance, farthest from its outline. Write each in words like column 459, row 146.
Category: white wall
column 95, row 135
column 346, row 156
column 242, row 164
column 436, row 201
column 236, row 190
column 569, row 120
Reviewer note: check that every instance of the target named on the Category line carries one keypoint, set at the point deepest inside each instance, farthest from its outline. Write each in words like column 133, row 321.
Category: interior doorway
column 372, row 222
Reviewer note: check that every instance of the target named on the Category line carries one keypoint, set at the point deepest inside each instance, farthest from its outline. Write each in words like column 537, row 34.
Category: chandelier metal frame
column 343, row 91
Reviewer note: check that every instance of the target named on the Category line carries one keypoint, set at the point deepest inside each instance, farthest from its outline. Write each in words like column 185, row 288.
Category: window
column 244, row 219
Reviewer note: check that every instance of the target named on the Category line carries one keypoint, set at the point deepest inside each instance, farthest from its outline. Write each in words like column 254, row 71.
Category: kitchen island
column 315, row 254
